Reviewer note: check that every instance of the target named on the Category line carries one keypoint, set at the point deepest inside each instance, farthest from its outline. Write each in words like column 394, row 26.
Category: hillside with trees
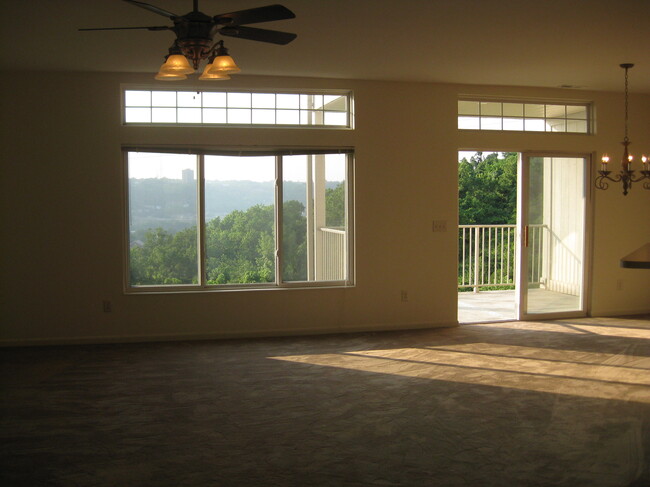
column 240, row 246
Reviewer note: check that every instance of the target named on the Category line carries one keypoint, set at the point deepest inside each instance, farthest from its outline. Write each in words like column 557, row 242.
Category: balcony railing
column 331, row 258
column 486, row 256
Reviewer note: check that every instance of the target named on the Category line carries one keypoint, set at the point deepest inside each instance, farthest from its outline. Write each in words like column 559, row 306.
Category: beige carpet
column 562, row 403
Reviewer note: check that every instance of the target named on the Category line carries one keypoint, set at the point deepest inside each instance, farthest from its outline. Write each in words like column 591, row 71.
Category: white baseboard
column 107, row 339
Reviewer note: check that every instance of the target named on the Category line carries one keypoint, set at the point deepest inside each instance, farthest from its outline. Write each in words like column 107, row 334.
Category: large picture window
column 224, row 220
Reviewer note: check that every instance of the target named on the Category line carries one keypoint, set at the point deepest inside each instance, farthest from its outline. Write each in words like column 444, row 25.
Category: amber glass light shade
column 176, row 64
column 224, row 65
column 160, row 76
column 208, row 76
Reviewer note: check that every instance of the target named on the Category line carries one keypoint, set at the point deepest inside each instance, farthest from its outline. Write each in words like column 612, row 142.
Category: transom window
column 237, row 108
column 525, row 117
column 211, row 220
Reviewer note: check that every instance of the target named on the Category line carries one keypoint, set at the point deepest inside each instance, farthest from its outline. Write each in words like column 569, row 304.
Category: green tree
column 294, row 241
column 240, row 247
column 487, row 189
column 165, row 258
column 335, row 206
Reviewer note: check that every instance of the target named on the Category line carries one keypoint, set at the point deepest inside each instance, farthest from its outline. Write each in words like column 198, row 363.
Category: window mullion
column 176, row 106
column 278, row 220
column 200, row 224
column 309, row 208
column 349, row 219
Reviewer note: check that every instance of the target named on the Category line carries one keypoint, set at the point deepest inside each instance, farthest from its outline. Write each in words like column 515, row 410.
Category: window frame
column 348, row 94
column 524, row 118
column 278, row 284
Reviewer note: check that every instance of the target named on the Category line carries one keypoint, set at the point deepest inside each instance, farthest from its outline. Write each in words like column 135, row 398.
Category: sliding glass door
column 552, row 231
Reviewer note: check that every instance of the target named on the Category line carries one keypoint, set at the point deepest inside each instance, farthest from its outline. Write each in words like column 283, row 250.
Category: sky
column 463, row 154
column 144, row 165
column 229, row 168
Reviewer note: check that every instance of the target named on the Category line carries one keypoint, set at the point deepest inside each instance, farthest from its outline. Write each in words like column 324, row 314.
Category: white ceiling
column 546, row 43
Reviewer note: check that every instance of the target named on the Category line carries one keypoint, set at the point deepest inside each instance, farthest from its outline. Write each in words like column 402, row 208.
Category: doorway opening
column 487, row 236
column 521, row 236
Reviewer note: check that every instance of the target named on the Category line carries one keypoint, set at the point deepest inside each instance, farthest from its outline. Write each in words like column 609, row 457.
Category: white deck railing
column 486, row 255
column 330, row 261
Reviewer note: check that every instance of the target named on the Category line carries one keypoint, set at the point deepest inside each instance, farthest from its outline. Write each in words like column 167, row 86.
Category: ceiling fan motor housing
column 194, row 33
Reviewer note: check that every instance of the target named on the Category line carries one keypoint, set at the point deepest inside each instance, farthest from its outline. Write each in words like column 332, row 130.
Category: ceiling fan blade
column 262, row 35
column 152, row 8
column 255, row 15
column 156, row 27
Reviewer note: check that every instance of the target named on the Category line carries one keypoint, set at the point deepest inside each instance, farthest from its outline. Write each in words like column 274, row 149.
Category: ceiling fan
column 195, row 32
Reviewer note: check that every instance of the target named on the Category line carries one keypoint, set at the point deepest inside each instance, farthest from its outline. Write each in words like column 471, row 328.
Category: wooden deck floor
column 489, row 306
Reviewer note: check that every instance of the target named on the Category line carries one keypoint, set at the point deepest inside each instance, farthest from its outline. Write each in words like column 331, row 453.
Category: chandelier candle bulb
column 603, row 162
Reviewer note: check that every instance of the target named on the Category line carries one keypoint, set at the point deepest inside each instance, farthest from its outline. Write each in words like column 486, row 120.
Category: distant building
column 188, row 175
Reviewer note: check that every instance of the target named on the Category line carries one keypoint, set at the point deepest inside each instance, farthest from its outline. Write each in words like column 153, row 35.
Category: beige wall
column 61, row 193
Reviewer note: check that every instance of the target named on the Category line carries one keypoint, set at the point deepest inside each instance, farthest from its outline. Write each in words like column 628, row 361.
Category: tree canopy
column 239, row 247
column 487, row 189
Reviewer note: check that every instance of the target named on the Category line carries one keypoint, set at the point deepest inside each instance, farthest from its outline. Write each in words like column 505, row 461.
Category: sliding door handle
column 526, row 236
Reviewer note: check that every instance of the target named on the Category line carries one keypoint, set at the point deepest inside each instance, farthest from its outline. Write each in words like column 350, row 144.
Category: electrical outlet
column 404, row 296
column 439, row 225
column 107, row 306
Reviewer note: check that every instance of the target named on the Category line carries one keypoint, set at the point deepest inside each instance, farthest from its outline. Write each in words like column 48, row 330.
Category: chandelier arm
column 601, row 181
column 640, row 178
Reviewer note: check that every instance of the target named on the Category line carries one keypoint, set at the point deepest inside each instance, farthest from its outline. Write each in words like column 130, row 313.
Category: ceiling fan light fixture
column 176, row 64
column 195, row 32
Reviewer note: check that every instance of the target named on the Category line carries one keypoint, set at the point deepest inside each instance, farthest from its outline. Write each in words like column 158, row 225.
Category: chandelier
column 626, row 175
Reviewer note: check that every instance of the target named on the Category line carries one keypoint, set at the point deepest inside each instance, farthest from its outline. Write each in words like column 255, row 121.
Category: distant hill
column 171, row 203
